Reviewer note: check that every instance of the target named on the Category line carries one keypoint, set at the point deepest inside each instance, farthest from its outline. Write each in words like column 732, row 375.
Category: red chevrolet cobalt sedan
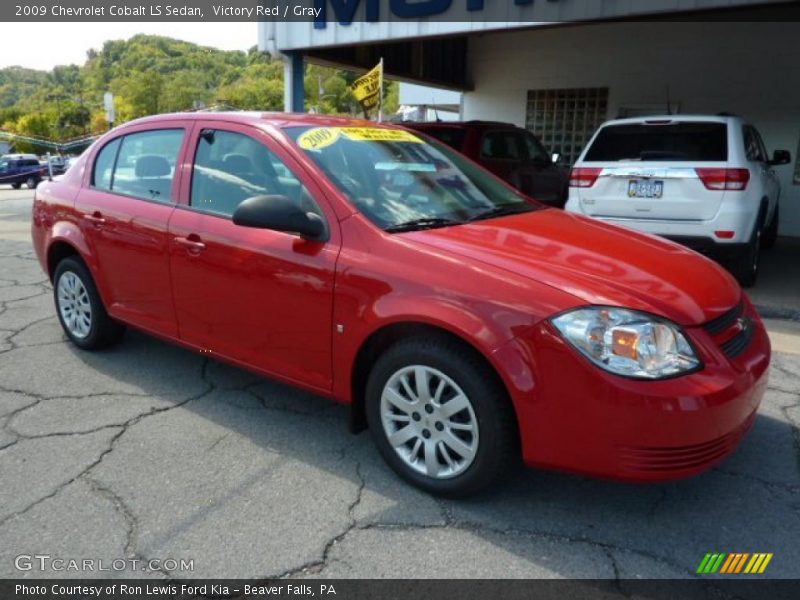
column 465, row 324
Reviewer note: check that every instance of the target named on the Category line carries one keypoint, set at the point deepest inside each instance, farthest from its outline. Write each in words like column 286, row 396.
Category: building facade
column 561, row 78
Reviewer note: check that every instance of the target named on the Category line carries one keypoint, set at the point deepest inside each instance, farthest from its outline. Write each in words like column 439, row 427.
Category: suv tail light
column 583, row 177
column 724, row 179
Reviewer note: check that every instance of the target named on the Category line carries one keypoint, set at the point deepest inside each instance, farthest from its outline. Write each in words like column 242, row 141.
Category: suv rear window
column 687, row 141
column 452, row 136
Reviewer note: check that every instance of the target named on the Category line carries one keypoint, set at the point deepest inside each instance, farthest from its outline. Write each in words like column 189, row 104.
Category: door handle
column 191, row 244
column 95, row 218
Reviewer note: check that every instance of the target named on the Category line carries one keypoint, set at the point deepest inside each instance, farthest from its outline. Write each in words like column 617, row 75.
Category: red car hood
column 596, row 262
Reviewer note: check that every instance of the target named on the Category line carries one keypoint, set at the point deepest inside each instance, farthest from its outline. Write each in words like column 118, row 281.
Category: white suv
column 704, row 181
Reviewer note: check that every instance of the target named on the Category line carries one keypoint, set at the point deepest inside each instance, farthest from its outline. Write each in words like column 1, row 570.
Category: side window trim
column 762, row 148
column 93, row 181
column 114, row 164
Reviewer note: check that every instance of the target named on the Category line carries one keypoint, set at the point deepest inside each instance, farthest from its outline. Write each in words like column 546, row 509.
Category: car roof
column 719, row 118
column 276, row 119
column 20, row 156
column 458, row 124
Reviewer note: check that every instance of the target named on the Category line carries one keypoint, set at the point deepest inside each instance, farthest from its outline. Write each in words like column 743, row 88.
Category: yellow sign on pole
column 368, row 89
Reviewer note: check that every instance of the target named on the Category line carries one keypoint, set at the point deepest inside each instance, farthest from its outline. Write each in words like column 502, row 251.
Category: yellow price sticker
column 378, row 134
column 318, row 138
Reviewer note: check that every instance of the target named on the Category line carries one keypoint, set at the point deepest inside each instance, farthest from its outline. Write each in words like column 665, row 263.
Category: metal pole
column 380, row 101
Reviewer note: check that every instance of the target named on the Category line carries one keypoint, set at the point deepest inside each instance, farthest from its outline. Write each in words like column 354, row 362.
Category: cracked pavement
column 149, row 451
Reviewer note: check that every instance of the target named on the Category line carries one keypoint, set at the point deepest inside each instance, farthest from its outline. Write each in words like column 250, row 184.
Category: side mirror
column 556, row 158
column 279, row 214
column 781, row 157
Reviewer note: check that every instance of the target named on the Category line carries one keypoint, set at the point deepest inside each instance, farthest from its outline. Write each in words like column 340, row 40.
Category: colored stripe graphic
column 727, row 564
column 764, row 564
column 755, row 562
column 734, row 563
column 701, row 568
column 711, row 563
column 739, row 566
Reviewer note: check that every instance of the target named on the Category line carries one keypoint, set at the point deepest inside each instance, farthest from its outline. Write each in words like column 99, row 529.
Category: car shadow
column 746, row 504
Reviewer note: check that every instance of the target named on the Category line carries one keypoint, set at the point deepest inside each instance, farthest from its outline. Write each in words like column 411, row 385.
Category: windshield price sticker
column 318, row 138
column 377, row 134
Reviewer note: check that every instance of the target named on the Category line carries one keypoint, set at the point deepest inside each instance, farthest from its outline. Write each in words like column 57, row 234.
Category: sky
column 44, row 45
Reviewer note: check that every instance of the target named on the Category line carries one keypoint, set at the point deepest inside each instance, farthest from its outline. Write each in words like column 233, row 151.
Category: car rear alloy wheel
column 32, row 183
column 440, row 416
column 74, row 305
column 429, row 421
column 80, row 309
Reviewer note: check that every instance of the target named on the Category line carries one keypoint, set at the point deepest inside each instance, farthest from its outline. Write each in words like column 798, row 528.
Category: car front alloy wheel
column 440, row 416
column 429, row 421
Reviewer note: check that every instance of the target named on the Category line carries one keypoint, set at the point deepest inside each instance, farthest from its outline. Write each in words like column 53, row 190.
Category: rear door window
column 686, row 141
column 145, row 164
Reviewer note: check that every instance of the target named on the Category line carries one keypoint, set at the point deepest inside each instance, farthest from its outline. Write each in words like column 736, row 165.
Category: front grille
column 739, row 343
column 678, row 458
column 721, row 323
column 732, row 331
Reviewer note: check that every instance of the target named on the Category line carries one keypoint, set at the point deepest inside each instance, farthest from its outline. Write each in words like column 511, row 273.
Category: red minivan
column 465, row 324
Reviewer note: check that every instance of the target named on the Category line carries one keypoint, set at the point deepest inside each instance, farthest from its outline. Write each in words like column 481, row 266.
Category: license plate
column 645, row 188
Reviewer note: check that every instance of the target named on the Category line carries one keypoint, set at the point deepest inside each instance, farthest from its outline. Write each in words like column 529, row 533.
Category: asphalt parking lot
column 148, row 451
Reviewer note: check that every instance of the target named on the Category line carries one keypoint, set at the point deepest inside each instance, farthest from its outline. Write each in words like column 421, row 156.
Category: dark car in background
column 510, row 152
column 56, row 164
column 16, row 169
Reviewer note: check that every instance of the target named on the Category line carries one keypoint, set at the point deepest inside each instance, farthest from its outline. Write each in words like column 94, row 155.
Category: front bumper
column 577, row 417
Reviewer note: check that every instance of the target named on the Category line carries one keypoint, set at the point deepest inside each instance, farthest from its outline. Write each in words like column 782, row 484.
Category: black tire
column 32, row 182
column 746, row 266
column 771, row 234
column 16, row 186
column 103, row 330
column 498, row 436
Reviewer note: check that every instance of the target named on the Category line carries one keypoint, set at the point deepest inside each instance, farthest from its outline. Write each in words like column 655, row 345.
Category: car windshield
column 402, row 182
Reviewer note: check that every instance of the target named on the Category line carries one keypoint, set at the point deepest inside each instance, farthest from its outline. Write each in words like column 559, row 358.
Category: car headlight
column 628, row 342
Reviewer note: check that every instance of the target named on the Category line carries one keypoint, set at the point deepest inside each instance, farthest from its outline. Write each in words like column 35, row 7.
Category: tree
column 141, row 94
column 260, row 87
column 184, row 89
